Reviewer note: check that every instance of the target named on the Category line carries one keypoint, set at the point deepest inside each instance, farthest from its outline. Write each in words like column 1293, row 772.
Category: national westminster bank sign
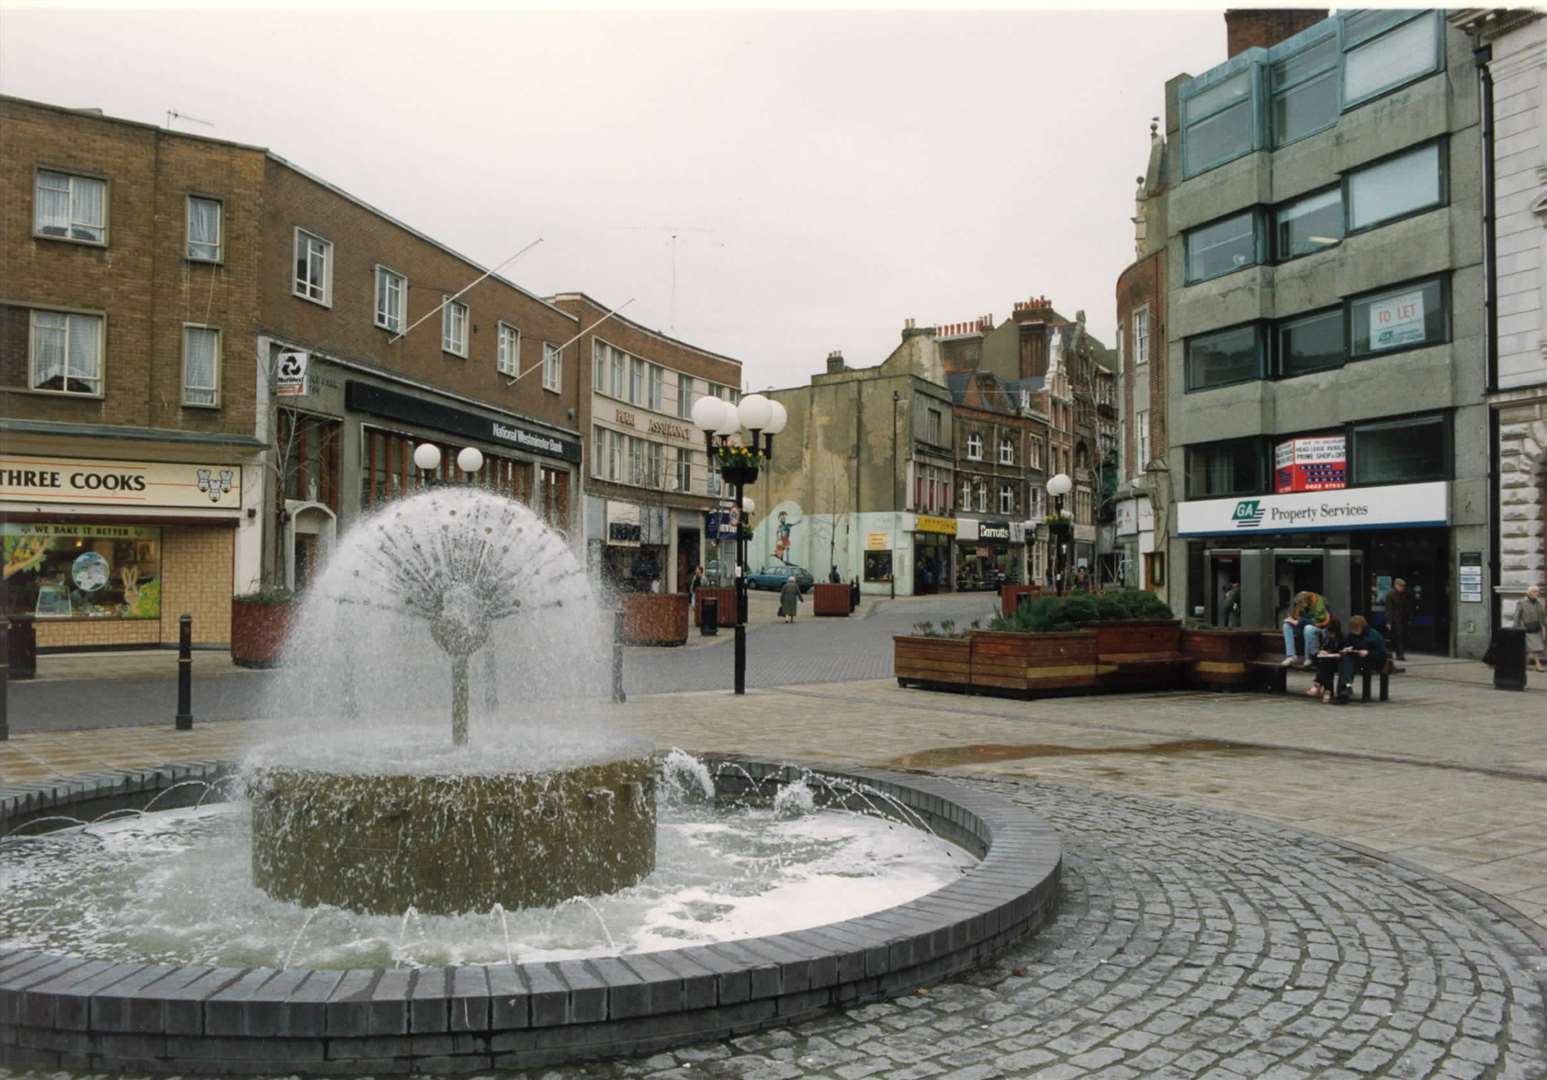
column 1397, row 506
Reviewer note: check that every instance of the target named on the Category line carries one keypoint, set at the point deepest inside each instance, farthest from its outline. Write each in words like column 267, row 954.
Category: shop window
column 453, row 328
column 975, row 447
column 1308, row 225
column 201, row 366
column 553, row 368
column 313, row 268
column 1409, row 183
column 1402, row 451
column 1223, row 246
column 67, row 207
column 1224, row 468
column 1407, row 317
column 878, row 566
column 1224, row 357
column 306, row 452
column 1310, row 343
column 507, row 353
column 66, row 353
column 391, row 293
column 1387, row 49
column 1218, row 120
column 1305, row 91
column 69, row 571
column 204, row 236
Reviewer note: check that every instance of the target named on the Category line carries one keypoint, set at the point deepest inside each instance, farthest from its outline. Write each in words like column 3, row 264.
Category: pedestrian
column 1529, row 617
column 789, row 599
column 696, row 583
column 1308, row 617
column 1233, row 604
column 1398, row 603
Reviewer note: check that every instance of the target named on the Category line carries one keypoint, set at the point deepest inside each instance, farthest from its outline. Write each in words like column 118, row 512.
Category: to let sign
column 1397, row 321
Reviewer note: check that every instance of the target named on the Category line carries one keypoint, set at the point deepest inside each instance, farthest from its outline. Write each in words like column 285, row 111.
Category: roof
column 576, row 294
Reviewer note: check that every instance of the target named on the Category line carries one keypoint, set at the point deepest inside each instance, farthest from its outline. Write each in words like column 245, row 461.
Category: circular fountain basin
column 77, row 1012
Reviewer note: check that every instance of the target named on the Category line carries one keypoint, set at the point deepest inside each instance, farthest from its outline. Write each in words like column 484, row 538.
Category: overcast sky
column 828, row 174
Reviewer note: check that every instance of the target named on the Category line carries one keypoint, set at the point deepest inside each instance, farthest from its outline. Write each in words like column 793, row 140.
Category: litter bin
column 21, row 654
column 1509, row 659
column 708, row 615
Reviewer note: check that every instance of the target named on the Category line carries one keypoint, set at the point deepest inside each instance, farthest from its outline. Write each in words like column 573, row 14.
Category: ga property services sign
column 1398, row 506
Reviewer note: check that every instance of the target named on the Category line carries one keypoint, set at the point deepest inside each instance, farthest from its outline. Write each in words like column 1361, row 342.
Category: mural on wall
column 784, row 529
column 780, row 535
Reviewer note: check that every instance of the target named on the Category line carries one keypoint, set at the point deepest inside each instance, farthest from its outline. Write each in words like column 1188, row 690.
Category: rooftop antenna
column 673, row 230
column 173, row 114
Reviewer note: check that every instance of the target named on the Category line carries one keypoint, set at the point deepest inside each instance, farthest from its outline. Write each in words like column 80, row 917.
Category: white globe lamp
column 1058, row 486
column 755, row 412
column 777, row 421
column 747, row 505
column 427, row 456
column 470, row 460
column 707, row 414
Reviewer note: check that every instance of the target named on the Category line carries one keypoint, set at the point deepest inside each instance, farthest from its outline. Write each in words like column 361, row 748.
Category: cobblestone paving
column 1192, row 945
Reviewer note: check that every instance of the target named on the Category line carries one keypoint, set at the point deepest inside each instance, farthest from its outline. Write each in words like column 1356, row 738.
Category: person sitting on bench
column 1303, row 628
column 1363, row 647
column 1328, row 658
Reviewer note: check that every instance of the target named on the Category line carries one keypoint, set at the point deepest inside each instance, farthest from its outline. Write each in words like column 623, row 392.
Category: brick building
column 210, row 361
column 650, row 498
column 131, row 472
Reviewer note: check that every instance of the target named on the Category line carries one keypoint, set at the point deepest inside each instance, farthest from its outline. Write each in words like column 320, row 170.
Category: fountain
column 481, row 898
column 444, row 828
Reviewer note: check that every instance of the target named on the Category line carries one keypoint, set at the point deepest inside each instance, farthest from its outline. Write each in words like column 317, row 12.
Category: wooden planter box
column 1033, row 663
column 1010, row 597
column 829, row 599
column 655, row 618
column 1221, row 657
column 727, row 601
column 258, row 632
column 935, row 663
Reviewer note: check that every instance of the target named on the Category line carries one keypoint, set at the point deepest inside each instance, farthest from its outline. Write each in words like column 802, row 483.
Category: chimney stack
column 1261, row 28
column 835, row 362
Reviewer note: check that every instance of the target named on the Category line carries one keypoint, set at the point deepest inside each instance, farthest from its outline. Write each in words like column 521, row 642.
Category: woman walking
column 1529, row 617
column 789, row 599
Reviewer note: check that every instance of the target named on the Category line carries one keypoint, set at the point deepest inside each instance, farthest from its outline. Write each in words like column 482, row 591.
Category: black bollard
column 5, row 670
column 185, row 673
column 618, row 696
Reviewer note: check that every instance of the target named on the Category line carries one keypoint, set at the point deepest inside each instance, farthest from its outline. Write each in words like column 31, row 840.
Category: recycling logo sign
column 1248, row 514
column 290, row 377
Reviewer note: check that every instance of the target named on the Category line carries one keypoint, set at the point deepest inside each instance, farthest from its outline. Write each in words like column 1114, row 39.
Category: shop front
column 1348, row 545
column 933, row 565
column 986, row 556
column 108, row 553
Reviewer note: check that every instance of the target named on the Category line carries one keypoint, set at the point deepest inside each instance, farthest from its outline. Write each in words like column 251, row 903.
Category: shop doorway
column 687, row 557
column 1421, row 557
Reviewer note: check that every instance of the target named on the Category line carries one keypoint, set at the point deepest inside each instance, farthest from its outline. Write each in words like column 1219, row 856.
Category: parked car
column 773, row 577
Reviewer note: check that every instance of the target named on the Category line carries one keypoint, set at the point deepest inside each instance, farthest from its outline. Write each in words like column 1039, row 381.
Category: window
column 313, row 268
column 1141, row 336
column 453, row 328
column 1401, row 451
column 1006, row 499
column 636, row 460
column 654, row 454
column 934, row 423
column 204, row 228
column 43, row 585
column 636, row 381
column 1308, row 225
column 1225, row 468
column 553, row 368
column 966, row 494
column 975, row 446
column 1007, row 451
column 598, row 451
column 619, row 372
column 1383, row 52
column 1406, row 184
column 1035, row 454
column 684, row 470
column 66, row 353
column 1305, row 91
column 657, row 383
column 1223, row 246
column 1311, row 343
column 685, row 398
column 69, row 207
column 1407, row 317
column 982, row 497
column 507, row 353
column 614, row 455
column 598, row 367
column 1217, row 122
column 201, row 365
column 1141, row 439
column 1224, row 357
column 391, row 291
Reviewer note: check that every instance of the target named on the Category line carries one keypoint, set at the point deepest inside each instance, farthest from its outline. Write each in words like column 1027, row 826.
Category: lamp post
column 739, row 463
column 427, row 459
column 896, row 399
column 1058, row 486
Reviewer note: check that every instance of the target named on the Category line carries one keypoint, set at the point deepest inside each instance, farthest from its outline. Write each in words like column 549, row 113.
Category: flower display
column 738, row 457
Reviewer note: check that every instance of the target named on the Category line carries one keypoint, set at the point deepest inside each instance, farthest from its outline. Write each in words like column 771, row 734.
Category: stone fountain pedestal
column 447, row 844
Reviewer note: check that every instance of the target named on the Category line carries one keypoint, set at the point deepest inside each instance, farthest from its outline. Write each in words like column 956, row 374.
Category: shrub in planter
column 259, row 623
column 1053, row 614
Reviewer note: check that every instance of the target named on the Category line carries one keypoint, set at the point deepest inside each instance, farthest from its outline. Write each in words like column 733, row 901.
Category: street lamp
column 896, row 399
column 739, row 465
column 1058, row 486
column 427, row 458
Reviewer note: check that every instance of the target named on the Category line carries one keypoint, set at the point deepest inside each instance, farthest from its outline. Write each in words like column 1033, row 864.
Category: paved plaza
column 1255, row 885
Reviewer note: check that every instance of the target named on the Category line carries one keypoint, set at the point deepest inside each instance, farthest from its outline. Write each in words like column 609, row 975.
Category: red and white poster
column 1314, row 464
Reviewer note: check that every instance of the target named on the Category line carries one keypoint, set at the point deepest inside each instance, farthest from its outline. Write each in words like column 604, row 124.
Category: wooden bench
column 1163, row 669
column 1141, row 654
column 1271, row 670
